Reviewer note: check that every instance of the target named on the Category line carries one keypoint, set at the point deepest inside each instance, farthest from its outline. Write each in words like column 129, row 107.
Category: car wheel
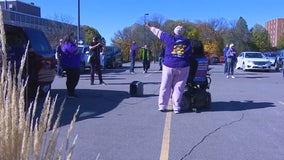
column 244, row 67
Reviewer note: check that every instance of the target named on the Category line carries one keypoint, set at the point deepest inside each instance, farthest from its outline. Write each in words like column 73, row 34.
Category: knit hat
column 179, row 30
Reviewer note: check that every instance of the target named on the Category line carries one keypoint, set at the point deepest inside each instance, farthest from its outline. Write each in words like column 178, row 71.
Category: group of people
column 230, row 58
column 69, row 60
column 174, row 60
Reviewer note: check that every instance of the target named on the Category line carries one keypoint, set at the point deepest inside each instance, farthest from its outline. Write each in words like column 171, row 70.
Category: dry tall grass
column 23, row 135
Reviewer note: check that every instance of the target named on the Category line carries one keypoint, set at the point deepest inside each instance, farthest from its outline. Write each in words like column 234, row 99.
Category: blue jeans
column 132, row 60
column 161, row 59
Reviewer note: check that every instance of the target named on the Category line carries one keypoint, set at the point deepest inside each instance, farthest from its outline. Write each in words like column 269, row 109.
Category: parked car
column 113, row 57
column 272, row 56
column 84, row 51
column 40, row 63
column 214, row 60
column 221, row 59
column 279, row 60
column 253, row 61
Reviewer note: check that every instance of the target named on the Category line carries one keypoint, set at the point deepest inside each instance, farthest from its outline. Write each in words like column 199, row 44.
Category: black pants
column 72, row 79
column 96, row 67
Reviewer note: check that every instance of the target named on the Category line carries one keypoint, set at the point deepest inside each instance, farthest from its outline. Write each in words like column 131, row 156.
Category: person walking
column 95, row 48
column 161, row 56
column 231, row 58
column 225, row 50
column 58, row 54
column 70, row 62
column 175, row 67
column 133, row 49
column 146, row 58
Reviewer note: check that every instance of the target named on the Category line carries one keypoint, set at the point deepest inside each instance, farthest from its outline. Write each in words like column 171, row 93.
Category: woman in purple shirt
column 175, row 66
column 70, row 62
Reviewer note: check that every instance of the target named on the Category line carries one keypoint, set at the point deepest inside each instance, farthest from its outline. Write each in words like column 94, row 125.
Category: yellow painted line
column 166, row 135
column 281, row 102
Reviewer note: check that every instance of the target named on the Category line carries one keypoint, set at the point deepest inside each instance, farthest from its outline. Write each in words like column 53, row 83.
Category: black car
column 112, row 57
column 279, row 60
column 40, row 63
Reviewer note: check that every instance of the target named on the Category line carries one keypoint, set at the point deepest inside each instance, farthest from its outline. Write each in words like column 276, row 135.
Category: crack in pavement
column 210, row 133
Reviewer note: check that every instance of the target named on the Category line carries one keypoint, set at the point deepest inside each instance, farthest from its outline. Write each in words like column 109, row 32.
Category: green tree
column 242, row 36
column 90, row 32
column 260, row 38
column 280, row 43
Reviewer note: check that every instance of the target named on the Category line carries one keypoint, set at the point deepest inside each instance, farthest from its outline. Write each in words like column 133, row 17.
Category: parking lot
column 245, row 120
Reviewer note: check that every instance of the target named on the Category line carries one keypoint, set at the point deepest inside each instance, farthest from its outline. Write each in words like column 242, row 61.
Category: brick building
column 24, row 14
column 275, row 30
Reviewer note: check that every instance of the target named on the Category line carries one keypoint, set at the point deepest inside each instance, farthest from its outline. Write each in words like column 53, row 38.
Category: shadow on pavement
column 92, row 103
column 238, row 106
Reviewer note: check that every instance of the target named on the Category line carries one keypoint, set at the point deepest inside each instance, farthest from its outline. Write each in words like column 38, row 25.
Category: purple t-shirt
column 133, row 49
column 177, row 52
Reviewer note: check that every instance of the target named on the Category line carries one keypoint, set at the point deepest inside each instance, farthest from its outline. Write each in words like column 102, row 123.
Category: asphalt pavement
column 245, row 121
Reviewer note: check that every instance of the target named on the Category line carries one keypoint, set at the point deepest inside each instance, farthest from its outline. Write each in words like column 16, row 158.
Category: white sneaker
column 233, row 76
column 227, row 76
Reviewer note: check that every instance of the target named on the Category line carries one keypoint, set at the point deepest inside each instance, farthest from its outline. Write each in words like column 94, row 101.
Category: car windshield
column 109, row 50
column 254, row 55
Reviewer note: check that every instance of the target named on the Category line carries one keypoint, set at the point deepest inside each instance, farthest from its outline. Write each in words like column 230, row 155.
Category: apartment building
column 275, row 28
column 23, row 14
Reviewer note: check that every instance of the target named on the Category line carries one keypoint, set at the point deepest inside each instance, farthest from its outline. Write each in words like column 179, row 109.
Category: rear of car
column 40, row 63
column 113, row 57
column 85, row 54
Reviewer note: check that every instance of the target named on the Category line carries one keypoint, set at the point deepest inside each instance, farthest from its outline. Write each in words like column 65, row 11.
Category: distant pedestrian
column 146, row 55
column 175, row 67
column 70, row 62
column 225, row 50
column 161, row 56
column 58, row 54
column 133, row 49
column 95, row 48
column 231, row 58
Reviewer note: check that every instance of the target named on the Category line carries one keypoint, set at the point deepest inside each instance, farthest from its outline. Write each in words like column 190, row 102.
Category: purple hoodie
column 70, row 57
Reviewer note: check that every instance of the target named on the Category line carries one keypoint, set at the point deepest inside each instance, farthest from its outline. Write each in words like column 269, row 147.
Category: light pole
column 146, row 14
column 78, row 27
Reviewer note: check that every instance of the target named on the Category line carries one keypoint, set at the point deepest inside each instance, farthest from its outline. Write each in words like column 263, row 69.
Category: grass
column 23, row 134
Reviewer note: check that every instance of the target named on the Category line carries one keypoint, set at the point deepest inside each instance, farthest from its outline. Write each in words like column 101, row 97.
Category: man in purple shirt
column 133, row 49
column 175, row 67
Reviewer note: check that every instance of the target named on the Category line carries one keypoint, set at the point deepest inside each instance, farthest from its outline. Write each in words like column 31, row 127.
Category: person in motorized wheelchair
column 196, row 96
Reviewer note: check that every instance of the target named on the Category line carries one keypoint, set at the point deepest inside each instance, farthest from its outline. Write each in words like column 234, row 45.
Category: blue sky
column 110, row 16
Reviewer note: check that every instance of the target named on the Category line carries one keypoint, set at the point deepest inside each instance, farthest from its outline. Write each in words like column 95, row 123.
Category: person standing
column 133, row 49
column 225, row 50
column 175, row 67
column 161, row 56
column 70, row 62
column 95, row 48
column 146, row 58
column 231, row 57
column 58, row 54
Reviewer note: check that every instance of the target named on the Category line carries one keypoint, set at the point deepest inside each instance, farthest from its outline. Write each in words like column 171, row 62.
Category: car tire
column 244, row 67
